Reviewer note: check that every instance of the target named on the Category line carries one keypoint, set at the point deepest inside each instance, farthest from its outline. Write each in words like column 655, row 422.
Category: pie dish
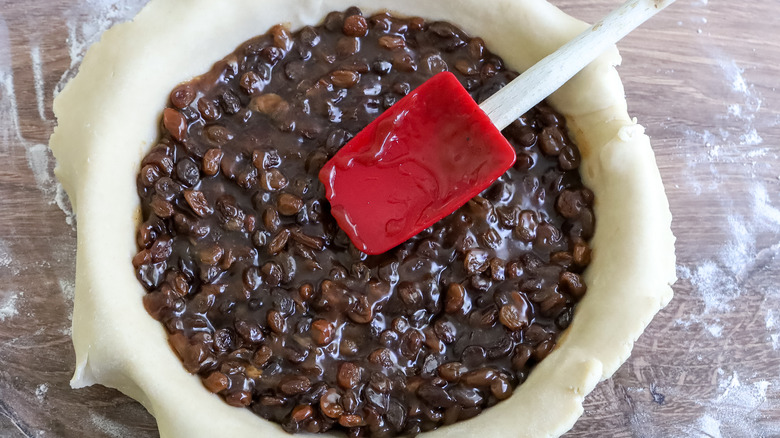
column 107, row 121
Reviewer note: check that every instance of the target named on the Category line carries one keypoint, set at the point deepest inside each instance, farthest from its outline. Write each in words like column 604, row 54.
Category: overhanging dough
column 107, row 121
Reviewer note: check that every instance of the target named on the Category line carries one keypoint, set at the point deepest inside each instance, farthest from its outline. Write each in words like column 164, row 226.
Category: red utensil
column 395, row 179
column 436, row 148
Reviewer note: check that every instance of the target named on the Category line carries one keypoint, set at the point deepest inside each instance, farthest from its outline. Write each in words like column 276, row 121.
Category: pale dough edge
column 628, row 280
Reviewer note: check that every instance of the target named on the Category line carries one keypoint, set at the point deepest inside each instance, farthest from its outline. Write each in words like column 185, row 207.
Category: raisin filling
column 265, row 298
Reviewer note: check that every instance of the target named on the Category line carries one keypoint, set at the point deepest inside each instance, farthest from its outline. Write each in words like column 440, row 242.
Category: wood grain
column 550, row 73
column 701, row 76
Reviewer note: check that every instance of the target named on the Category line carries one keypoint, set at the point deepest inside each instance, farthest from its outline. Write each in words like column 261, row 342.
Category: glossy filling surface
column 415, row 164
column 263, row 295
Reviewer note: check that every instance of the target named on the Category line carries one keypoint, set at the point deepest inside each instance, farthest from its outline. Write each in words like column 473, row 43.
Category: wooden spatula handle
column 549, row 74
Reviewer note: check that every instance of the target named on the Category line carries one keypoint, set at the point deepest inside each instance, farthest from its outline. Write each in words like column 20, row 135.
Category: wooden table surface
column 702, row 77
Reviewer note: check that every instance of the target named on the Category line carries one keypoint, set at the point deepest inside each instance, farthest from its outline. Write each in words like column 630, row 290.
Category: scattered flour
column 751, row 138
column 765, row 212
column 734, row 73
column 94, row 18
column 37, row 67
column 10, row 131
column 68, row 289
column 749, row 253
column 735, row 110
column 772, row 322
column 709, row 426
column 38, row 160
column 738, row 136
column 751, row 102
column 9, row 305
column 720, row 280
column 63, row 202
column 5, row 255
column 717, row 288
column 40, row 391
column 748, row 396
column 87, row 20
column 737, row 408
column 110, row 427
column 715, row 330
column 9, row 111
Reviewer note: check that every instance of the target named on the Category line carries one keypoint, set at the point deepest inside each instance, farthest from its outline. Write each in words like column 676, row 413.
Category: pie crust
column 108, row 119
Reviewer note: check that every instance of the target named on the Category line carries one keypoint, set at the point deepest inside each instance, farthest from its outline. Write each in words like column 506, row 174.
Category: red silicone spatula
column 436, row 148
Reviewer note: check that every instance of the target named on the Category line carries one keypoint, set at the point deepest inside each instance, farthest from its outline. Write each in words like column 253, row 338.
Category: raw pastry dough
column 108, row 118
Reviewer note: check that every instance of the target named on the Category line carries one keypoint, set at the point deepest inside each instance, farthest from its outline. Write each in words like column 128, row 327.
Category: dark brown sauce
column 266, row 299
